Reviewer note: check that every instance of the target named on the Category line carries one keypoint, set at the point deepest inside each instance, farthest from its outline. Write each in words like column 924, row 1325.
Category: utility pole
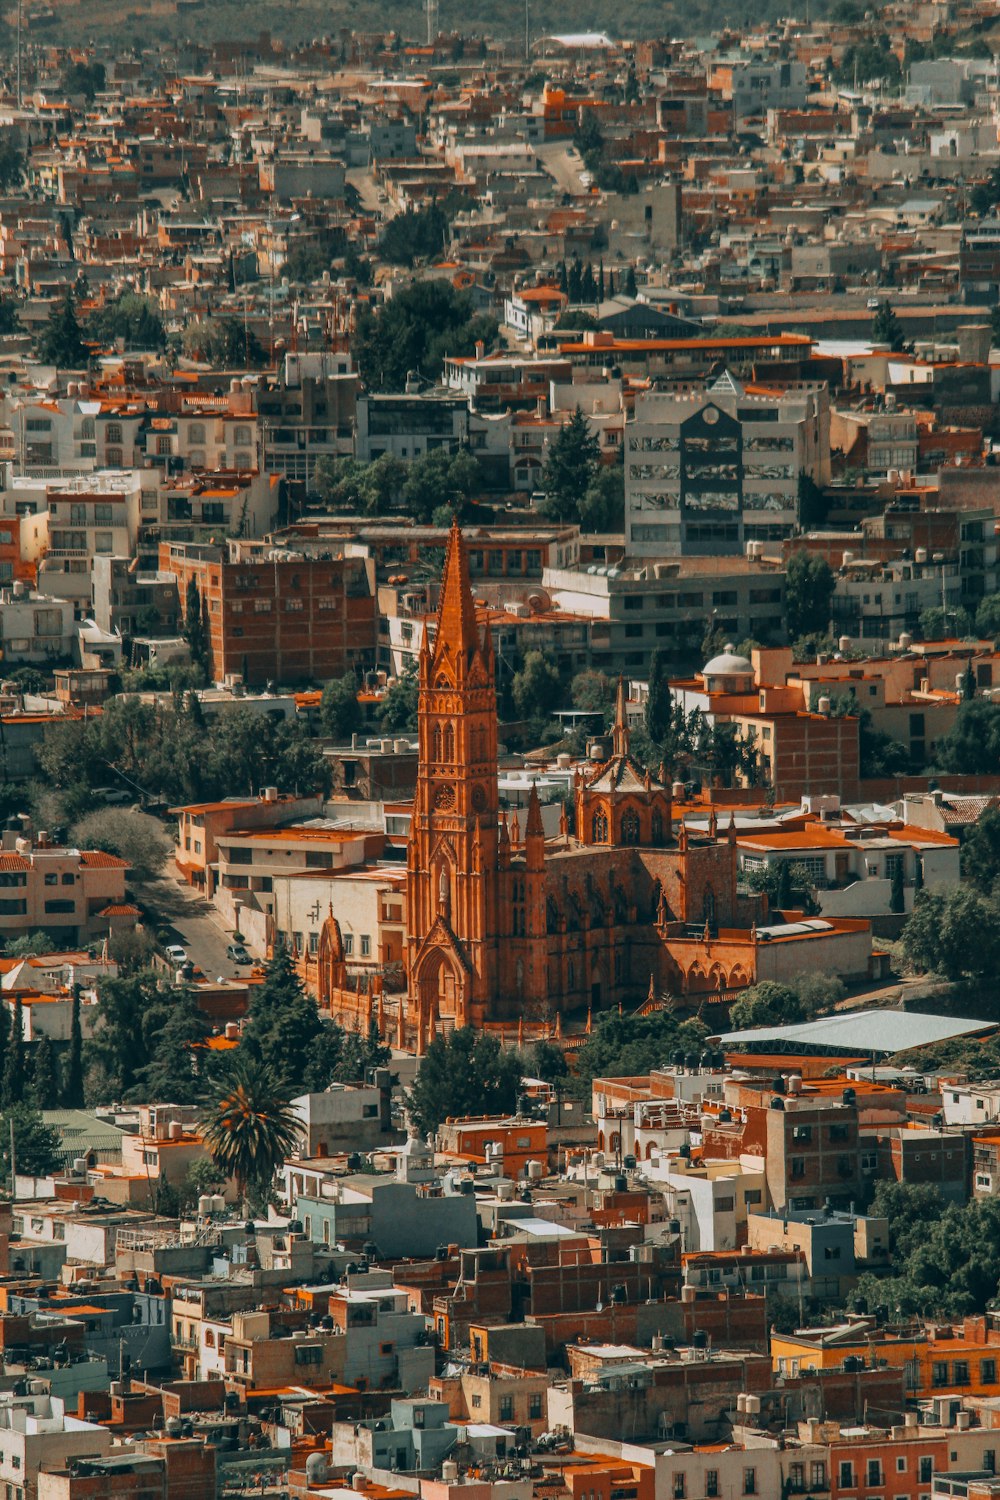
column 13, row 1163
column 19, row 4
column 527, row 34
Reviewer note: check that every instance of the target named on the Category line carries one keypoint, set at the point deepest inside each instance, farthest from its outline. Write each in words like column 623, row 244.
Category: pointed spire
column 713, row 823
column 731, row 830
column 564, row 822
column 621, row 720
column 533, row 828
column 515, row 829
column 651, row 997
column 456, row 617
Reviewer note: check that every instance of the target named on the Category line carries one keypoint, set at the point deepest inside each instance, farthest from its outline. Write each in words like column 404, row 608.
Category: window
column 308, row 1354
column 163, row 447
column 990, row 1460
column 926, row 1470
column 725, row 1205
column 506, row 1408
column 477, row 1402
column 802, row 1134
column 711, row 1483
column 749, row 1481
column 987, row 1371
column 900, row 1465
column 52, row 879
column 961, row 1376
column 817, row 1474
column 939, row 1372
column 630, row 827
column 797, row 1166
column 348, row 943
column 534, row 1407
column 60, row 908
column 366, row 945
column 680, row 1486
column 874, row 1471
column 846, row 1474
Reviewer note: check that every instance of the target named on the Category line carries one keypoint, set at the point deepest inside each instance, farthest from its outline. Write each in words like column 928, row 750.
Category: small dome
column 726, row 664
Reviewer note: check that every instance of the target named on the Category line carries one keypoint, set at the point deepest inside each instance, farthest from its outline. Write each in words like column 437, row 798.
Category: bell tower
column 452, row 902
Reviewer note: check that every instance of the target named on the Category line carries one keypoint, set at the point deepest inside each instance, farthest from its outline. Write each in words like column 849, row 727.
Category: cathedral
column 504, row 924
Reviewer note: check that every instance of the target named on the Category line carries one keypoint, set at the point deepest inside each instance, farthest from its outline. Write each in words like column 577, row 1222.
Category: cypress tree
column 45, row 1083
column 783, row 894
column 897, row 895
column 12, row 1087
column 73, row 1091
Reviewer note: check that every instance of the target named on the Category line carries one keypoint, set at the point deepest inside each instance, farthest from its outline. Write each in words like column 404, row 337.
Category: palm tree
column 249, row 1126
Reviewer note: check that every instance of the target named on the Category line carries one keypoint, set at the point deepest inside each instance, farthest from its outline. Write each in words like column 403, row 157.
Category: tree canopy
column 809, row 585
column 465, row 1073
column 60, row 341
column 414, row 330
column 571, row 466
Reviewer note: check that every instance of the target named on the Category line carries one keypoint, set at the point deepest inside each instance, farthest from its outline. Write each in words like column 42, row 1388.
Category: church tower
column 452, row 905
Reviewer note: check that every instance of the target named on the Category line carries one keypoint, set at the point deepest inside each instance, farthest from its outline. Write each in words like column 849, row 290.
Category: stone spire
column 456, row 616
column 621, row 720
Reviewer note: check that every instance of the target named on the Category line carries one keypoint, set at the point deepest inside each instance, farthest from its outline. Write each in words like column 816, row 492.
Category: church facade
column 504, row 924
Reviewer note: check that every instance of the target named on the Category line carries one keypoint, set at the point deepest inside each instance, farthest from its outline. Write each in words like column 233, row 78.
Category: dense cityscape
column 499, row 754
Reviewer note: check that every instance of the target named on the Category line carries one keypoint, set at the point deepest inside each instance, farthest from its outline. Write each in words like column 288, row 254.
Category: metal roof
column 862, row 1031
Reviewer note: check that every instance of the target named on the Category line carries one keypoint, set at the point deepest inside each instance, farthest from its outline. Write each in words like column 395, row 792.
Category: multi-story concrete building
column 668, row 606
column 709, row 471
column 307, row 414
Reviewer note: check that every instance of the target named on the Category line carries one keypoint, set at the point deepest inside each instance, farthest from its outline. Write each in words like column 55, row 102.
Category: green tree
column 939, row 624
column 133, row 836
column 83, row 80
column 593, row 692
column 36, row 1146
column 202, row 1176
column 117, row 1050
column 28, row 946
column 414, row 330
column 339, row 710
column 175, row 1034
column 887, row 329
column 809, row 585
column 13, row 1084
column 981, row 852
column 659, row 709
column 465, row 1073
column 195, row 626
column 224, row 343
column 73, row 1088
column 620, row 1046
column 897, row 892
column 766, row 1004
column 399, row 704
column 602, row 505
column 249, row 1126
column 548, row 1062
column 416, row 234
column 284, row 1029
column 46, row 1085
column 631, row 290
column 988, row 612
column 131, row 318
column 60, row 342
column 955, row 934
column 570, row 468
column 362, row 1052
column 11, row 166
column 535, row 687
column 972, row 745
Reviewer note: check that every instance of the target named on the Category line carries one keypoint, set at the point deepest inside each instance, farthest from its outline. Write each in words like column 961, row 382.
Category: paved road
column 198, row 926
column 564, row 164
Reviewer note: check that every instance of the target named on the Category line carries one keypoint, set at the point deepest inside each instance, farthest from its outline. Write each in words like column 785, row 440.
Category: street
column 195, row 923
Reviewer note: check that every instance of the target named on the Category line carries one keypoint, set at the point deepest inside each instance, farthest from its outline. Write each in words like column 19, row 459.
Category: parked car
column 176, row 954
column 237, row 954
column 113, row 796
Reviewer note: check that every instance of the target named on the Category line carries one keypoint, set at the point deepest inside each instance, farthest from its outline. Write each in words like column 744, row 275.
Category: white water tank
column 824, row 705
column 534, row 1171
column 920, row 555
column 844, row 643
column 905, row 641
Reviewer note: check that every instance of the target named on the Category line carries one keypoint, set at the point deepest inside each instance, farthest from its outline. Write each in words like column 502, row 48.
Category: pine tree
column 12, row 1088
column 45, row 1082
column 588, row 285
column 73, row 1091
column 611, row 283
column 600, row 282
column 631, row 290
column 570, row 467
column 575, row 285
column 60, row 342
column 897, row 894
column 968, row 682
column 563, row 278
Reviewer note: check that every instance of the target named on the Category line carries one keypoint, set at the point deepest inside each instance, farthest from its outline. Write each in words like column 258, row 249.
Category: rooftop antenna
column 431, row 12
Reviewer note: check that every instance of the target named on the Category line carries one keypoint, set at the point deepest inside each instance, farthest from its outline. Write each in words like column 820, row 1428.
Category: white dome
column 726, row 664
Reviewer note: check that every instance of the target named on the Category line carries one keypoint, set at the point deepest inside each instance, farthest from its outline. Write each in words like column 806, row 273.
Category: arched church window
column 708, row 906
column 437, row 742
column 599, row 828
column 449, row 744
column 630, row 826
column 656, row 828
